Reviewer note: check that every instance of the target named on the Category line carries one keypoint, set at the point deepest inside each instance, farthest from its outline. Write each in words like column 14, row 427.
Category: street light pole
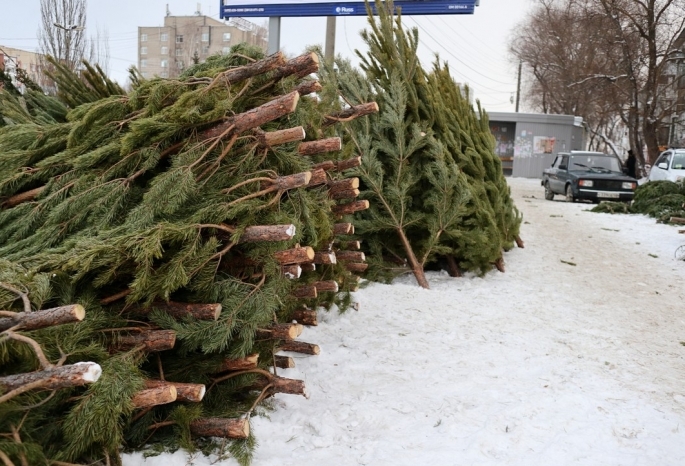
column 518, row 87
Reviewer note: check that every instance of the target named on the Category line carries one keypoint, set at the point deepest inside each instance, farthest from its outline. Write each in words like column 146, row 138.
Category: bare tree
column 646, row 31
column 605, row 60
column 62, row 33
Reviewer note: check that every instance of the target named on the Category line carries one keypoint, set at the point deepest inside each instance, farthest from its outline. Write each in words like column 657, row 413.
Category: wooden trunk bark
column 253, row 118
column 350, row 245
column 248, row 362
column 352, row 207
column 301, row 66
column 343, row 229
column 416, row 267
column 324, row 258
column 54, row 378
column 499, row 264
column 305, row 316
column 330, row 286
column 282, row 385
column 283, row 136
column 678, row 220
column 22, row 197
column 281, row 332
column 180, row 310
column 326, row 165
column 343, row 185
column 295, row 346
column 320, row 146
column 263, row 233
column 150, row 340
column 452, row 267
column 346, row 194
column 308, row 266
column 265, row 65
column 156, row 396
column 284, row 362
column 356, row 267
column 298, row 180
column 349, row 163
column 191, row 392
column 220, row 427
column 294, row 255
column 519, row 242
column 291, row 272
column 44, row 318
column 351, row 113
column 308, row 87
column 319, row 177
column 350, row 256
column 305, row 292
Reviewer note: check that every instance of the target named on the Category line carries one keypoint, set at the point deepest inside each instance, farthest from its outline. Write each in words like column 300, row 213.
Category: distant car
column 593, row 176
column 669, row 166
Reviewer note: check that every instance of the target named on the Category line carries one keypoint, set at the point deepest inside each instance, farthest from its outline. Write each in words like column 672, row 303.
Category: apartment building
column 167, row 50
column 11, row 59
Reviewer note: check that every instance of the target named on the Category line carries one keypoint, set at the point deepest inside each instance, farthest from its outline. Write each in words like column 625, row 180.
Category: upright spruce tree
column 436, row 187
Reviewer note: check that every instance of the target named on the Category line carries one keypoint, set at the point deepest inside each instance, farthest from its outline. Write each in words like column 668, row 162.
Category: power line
column 457, row 58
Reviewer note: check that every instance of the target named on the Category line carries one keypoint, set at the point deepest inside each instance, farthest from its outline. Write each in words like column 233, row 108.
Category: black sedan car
column 593, row 176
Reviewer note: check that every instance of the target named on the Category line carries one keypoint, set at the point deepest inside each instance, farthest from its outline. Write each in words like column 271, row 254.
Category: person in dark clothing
column 630, row 164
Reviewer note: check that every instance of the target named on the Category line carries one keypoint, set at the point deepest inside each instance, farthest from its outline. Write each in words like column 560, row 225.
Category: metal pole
column 274, row 35
column 518, row 88
column 329, row 52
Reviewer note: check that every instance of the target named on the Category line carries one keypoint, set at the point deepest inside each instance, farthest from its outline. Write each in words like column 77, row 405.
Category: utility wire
column 457, row 58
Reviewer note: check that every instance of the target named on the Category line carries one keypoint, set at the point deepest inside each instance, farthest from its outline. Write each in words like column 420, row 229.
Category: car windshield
column 597, row 163
column 678, row 161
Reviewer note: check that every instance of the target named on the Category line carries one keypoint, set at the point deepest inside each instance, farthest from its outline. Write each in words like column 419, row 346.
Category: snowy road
column 547, row 364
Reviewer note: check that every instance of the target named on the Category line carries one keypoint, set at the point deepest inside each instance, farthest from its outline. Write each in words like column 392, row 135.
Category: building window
column 165, row 50
column 143, row 63
column 143, row 37
column 143, row 50
column 146, row 74
column 179, row 64
column 164, row 37
column 179, row 52
column 227, row 36
column 205, row 50
column 205, row 37
column 226, row 50
column 164, row 63
column 179, row 39
column 164, row 74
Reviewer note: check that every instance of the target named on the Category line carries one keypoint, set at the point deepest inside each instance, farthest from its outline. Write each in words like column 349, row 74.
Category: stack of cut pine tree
column 166, row 244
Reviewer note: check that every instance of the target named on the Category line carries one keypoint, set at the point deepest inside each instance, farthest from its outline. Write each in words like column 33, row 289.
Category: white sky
column 474, row 45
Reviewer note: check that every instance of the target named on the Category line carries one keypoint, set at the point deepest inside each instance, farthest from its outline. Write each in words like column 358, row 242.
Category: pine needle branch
column 23, row 295
column 45, row 364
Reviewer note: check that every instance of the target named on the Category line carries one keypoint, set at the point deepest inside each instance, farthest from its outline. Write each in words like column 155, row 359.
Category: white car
column 669, row 166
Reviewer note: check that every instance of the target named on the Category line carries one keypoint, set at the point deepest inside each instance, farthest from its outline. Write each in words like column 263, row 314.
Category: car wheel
column 549, row 194
column 569, row 194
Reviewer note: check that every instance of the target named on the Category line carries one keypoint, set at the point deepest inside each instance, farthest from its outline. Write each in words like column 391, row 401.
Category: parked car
column 669, row 166
column 593, row 176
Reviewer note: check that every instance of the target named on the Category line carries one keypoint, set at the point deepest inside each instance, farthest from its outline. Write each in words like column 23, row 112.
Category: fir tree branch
column 18, row 391
column 40, row 403
column 211, row 147
column 215, row 165
column 24, row 296
column 17, row 440
column 45, row 364
column 5, row 459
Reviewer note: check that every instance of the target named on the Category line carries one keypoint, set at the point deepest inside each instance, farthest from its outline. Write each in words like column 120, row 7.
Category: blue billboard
column 270, row 8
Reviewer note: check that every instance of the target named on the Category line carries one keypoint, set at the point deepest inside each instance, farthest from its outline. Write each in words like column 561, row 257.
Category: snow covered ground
column 547, row 364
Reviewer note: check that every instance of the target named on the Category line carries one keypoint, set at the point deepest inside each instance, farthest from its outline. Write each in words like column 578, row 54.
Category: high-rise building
column 166, row 51
column 12, row 59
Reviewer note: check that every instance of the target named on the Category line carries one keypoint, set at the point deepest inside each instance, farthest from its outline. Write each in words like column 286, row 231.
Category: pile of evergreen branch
column 174, row 216
column 662, row 200
column 437, row 191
